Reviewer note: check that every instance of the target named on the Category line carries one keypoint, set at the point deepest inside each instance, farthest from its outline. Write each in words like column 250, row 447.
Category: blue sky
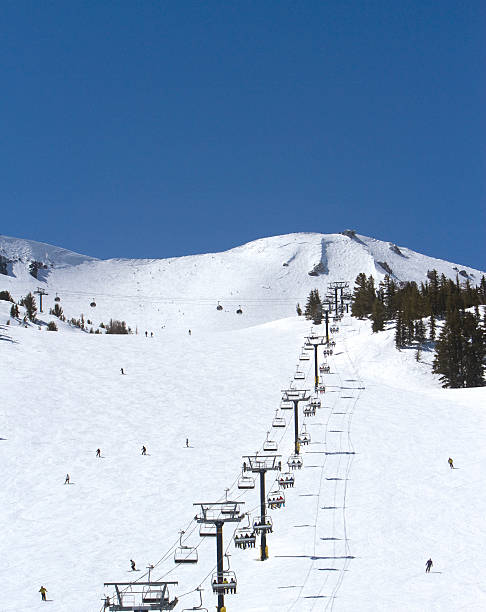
column 154, row 129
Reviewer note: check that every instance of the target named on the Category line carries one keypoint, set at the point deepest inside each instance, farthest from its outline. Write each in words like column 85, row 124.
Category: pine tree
column 313, row 306
column 57, row 311
column 378, row 316
column 14, row 311
column 299, row 310
column 432, row 328
column 420, row 332
column 399, row 332
column 30, row 306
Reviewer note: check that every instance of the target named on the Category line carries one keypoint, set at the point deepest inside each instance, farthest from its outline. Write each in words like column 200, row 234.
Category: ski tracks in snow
column 332, row 553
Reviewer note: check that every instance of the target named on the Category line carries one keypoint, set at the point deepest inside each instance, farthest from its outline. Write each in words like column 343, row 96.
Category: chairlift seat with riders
column 245, row 537
column 57, row 298
column 219, row 307
column 295, row 462
column 276, row 499
column 266, row 526
column 239, row 311
column 286, row 480
column 309, row 410
column 93, row 304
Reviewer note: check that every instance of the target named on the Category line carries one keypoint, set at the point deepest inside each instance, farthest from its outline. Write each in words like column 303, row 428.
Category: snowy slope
column 374, row 500
column 266, row 277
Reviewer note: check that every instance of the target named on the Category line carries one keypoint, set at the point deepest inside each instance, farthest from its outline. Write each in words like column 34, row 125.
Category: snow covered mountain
column 266, row 278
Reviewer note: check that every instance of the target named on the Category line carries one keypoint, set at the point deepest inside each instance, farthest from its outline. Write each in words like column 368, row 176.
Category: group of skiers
column 67, row 480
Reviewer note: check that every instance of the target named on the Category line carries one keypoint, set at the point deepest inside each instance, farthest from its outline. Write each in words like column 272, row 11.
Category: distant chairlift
column 310, row 410
column 219, row 307
column 278, row 421
column 304, row 437
column 93, row 304
column 270, row 445
column 239, row 311
column 185, row 554
column 286, row 405
column 57, row 298
column 200, row 606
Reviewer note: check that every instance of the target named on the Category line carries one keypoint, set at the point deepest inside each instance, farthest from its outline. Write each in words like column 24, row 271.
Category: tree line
column 460, row 348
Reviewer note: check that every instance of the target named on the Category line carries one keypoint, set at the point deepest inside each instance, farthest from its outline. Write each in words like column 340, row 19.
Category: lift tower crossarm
column 316, row 341
column 295, row 396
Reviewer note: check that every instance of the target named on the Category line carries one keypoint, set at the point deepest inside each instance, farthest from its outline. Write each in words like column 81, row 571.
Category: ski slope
column 374, row 500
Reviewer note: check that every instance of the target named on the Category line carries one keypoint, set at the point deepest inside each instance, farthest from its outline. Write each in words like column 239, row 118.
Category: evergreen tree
column 30, row 306
column 313, row 305
column 399, row 331
column 299, row 310
column 57, row 311
column 378, row 316
column 14, row 311
column 432, row 328
column 420, row 332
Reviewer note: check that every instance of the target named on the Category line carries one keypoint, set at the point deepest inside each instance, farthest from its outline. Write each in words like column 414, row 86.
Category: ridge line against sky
column 155, row 130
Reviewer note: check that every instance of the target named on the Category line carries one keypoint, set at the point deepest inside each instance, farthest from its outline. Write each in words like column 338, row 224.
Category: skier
column 187, row 442
column 132, row 565
column 428, row 565
column 189, row 332
column 146, row 334
column 121, row 370
column 43, row 592
column 107, row 602
column 151, row 334
column 451, row 463
column 98, row 452
column 144, row 450
column 66, row 481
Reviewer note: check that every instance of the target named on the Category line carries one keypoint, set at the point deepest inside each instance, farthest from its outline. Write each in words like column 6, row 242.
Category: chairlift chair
column 308, row 346
column 304, row 438
column 239, row 311
column 278, row 421
column 207, row 530
column 286, row 480
column 295, row 462
column 266, row 526
column 276, row 499
column 270, row 445
column 309, row 410
column 246, row 482
column 304, row 356
column 200, row 606
column 219, row 307
column 185, row 554
column 225, row 582
column 57, row 298
column 93, row 304
column 286, row 405
column 299, row 375
column 245, row 537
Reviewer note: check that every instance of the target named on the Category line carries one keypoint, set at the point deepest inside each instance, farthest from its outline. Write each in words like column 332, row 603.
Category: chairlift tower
column 326, row 308
column 259, row 464
column 295, row 396
column 141, row 596
column 40, row 292
column 217, row 514
column 316, row 341
column 338, row 286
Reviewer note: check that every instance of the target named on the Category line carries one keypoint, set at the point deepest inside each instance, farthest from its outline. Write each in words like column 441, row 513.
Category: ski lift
column 304, row 356
column 278, row 421
column 141, row 596
column 239, row 311
column 207, row 530
column 276, row 499
column 57, row 298
column 225, row 581
column 185, row 554
column 200, row 606
column 310, row 410
column 295, row 462
column 245, row 537
column 305, row 436
column 286, row 480
column 219, row 307
column 263, row 527
column 270, row 445
column 93, row 304
column 299, row 375
column 246, row 482
column 324, row 368
column 286, row 405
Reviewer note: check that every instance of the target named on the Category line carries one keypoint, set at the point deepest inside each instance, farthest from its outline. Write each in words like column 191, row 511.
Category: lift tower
column 217, row 514
column 261, row 464
column 338, row 286
column 40, row 292
column 295, row 396
column 316, row 341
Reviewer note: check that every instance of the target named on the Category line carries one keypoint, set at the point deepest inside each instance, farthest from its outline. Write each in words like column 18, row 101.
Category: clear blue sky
column 153, row 129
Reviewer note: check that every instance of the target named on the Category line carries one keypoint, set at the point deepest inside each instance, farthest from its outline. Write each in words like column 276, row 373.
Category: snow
column 374, row 500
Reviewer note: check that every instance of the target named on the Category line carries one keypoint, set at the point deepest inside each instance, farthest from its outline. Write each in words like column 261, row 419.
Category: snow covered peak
column 22, row 250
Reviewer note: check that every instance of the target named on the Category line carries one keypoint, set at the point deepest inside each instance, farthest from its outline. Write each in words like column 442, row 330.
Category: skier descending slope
column 43, row 592
column 428, row 565
column 451, row 463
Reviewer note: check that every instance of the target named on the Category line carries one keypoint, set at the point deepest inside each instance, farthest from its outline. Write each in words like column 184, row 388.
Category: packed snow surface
column 375, row 497
column 374, row 500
